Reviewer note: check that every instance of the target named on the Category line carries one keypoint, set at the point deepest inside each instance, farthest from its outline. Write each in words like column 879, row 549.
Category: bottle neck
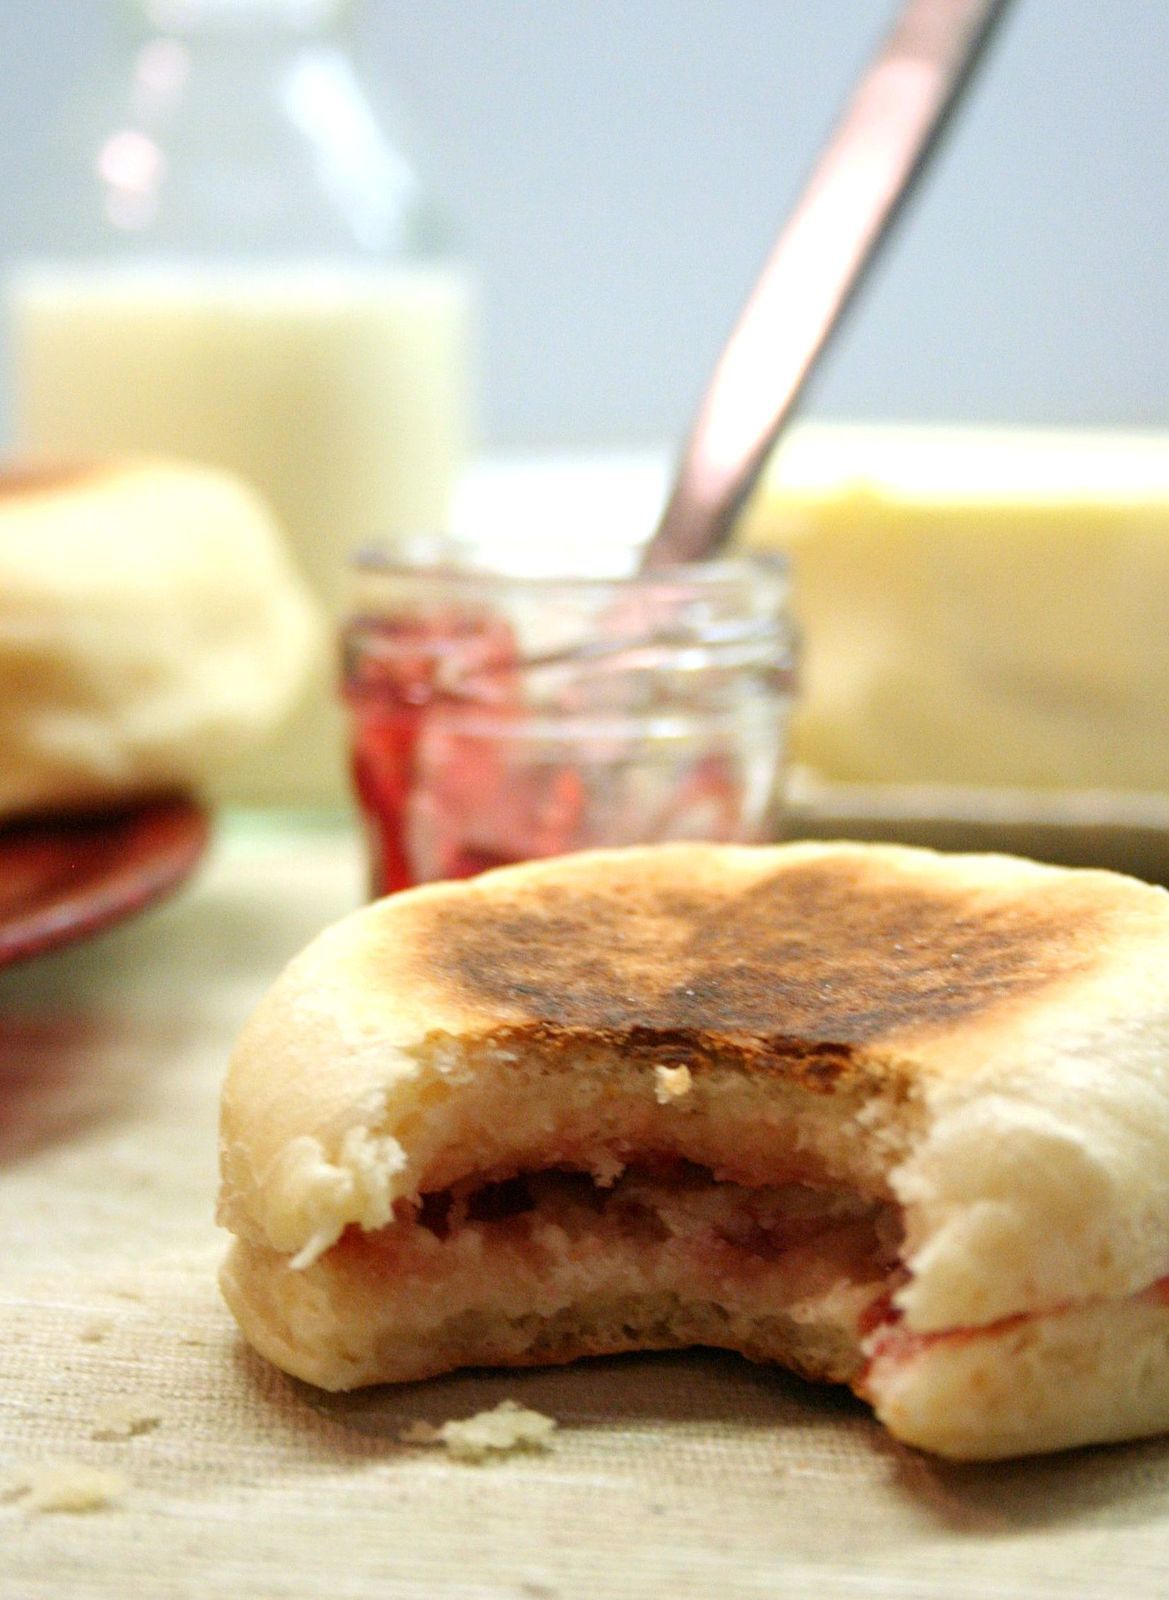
column 192, row 17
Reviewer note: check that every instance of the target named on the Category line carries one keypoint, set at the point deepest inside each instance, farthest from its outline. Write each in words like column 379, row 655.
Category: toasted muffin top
column 849, row 947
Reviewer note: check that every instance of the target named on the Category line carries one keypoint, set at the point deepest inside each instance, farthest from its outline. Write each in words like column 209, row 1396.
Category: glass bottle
column 231, row 259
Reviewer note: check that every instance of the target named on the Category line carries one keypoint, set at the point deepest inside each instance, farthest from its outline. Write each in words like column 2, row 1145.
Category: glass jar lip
column 435, row 560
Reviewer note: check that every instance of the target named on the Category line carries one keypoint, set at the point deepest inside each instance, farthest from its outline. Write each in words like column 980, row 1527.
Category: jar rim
column 456, row 566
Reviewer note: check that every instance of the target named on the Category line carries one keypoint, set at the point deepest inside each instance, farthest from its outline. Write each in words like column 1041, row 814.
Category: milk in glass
column 237, row 264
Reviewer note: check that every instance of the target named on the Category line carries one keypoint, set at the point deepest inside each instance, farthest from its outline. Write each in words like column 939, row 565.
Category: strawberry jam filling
column 662, row 1227
column 459, row 765
column 889, row 1342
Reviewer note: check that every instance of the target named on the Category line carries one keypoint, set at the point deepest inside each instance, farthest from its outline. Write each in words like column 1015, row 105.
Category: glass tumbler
column 228, row 253
column 498, row 718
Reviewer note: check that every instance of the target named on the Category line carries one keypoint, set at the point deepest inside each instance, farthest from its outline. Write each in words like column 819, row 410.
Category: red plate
column 64, row 877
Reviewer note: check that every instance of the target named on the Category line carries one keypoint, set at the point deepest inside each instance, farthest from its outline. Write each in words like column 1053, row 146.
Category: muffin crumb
column 123, row 1420
column 672, row 1083
column 509, row 1427
column 97, row 1329
column 69, row 1486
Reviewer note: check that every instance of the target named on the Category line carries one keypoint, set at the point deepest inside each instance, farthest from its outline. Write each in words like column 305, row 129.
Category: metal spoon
column 879, row 150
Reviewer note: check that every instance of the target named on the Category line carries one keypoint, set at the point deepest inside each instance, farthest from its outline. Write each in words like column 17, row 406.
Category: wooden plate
column 63, row 878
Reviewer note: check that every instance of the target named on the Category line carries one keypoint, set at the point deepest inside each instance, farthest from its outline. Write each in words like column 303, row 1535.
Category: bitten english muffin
column 888, row 1117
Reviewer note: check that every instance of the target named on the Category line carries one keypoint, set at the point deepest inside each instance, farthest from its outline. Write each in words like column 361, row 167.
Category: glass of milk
column 235, row 262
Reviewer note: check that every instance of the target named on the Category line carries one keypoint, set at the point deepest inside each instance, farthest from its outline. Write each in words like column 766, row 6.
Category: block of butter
column 978, row 607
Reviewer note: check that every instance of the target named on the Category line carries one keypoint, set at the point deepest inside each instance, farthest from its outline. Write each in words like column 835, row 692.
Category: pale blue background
column 622, row 165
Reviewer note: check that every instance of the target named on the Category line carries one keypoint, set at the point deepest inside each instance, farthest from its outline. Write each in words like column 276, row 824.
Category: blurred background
column 619, row 170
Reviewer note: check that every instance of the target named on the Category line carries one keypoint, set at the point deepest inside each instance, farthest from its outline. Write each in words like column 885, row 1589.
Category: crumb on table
column 123, row 1419
column 68, row 1486
column 508, row 1427
column 96, row 1329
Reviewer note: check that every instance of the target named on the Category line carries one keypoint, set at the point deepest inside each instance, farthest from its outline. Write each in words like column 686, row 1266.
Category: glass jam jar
column 496, row 718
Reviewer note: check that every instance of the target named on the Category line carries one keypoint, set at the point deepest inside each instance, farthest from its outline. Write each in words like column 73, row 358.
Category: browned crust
column 820, row 1068
column 800, row 967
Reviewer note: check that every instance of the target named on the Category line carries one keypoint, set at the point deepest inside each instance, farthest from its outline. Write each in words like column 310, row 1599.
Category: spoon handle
column 856, row 189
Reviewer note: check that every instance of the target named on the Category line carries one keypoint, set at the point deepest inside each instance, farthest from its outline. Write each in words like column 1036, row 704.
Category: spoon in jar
column 870, row 165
